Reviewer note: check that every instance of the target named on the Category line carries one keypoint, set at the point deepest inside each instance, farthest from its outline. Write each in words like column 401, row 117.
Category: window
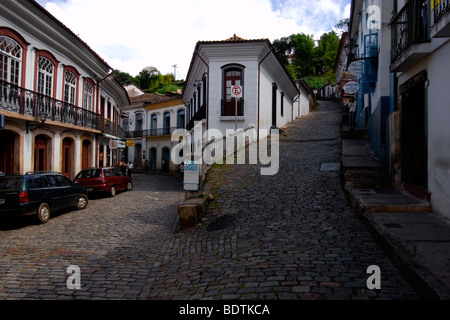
column 64, row 181
column 46, row 71
column 35, row 182
column 70, row 87
column 167, row 123
column 233, row 76
column 282, row 104
column 88, row 96
column 10, row 60
column 154, row 124
column 181, row 122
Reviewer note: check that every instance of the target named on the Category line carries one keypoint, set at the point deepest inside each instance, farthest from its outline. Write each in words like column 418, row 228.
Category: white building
column 268, row 90
column 48, row 74
column 152, row 118
column 406, row 106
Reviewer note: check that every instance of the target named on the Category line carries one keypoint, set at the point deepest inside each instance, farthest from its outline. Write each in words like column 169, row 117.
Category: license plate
column 2, row 201
column 89, row 189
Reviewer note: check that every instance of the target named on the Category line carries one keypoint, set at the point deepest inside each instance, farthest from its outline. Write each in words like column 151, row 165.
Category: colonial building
column 269, row 94
column 403, row 101
column 60, row 100
column 151, row 120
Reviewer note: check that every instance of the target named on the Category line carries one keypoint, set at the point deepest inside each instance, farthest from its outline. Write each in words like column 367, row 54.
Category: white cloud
column 159, row 33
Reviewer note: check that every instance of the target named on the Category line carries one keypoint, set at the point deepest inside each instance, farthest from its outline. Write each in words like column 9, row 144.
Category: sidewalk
column 416, row 239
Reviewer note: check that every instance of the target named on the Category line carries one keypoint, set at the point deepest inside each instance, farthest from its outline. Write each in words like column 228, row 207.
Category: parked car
column 106, row 179
column 39, row 193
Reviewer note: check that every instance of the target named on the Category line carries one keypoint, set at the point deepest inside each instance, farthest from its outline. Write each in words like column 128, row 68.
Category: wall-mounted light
column 42, row 115
column 350, row 50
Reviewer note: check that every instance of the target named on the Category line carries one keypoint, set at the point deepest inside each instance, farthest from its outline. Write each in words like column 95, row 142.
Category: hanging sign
column 117, row 144
column 351, row 87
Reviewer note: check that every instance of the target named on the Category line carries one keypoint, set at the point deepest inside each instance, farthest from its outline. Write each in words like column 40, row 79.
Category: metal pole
column 235, row 113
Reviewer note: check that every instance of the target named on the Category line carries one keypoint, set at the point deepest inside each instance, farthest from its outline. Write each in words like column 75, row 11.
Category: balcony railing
column 440, row 8
column 150, row 133
column 199, row 116
column 25, row 102
column 410, row 26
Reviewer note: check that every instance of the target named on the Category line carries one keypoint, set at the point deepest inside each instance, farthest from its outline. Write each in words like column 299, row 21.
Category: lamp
column 42, row 116
column 350, row 49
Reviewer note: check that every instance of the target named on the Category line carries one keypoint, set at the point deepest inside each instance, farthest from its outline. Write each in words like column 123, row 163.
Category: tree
column 342, row 26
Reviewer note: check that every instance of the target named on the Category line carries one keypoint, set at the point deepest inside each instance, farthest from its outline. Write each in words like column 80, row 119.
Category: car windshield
column 89, row 173
column 10, row 183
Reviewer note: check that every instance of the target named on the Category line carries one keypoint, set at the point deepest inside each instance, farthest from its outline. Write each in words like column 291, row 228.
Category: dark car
column 39, row 193
column 109, row 180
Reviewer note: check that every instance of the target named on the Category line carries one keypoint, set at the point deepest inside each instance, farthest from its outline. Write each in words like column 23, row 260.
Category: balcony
column 199, row 116
column 410, row 35
column 21, row 101
column 441, row 16
column 150, row 133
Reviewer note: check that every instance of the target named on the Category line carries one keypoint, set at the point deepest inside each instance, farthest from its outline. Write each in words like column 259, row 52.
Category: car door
column 69, row 192
column 54, row 192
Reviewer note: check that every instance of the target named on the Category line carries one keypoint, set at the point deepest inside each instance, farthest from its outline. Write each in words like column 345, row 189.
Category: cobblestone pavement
column 289, row 236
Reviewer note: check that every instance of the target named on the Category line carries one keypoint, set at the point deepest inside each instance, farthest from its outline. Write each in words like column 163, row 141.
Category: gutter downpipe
column 259, row 89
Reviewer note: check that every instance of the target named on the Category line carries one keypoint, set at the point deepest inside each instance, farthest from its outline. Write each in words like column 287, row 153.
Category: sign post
column 236, row 92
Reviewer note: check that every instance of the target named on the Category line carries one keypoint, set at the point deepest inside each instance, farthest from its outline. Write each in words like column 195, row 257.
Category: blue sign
column 2, row 121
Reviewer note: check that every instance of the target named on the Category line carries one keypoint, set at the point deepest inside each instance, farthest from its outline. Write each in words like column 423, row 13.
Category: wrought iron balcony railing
column 25, row 102
column 150, row 133
column 410, row 26
column 199, row 116
column 440, row 8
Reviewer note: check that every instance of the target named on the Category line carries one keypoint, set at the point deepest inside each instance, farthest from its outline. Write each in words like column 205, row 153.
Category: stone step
column 385, row 200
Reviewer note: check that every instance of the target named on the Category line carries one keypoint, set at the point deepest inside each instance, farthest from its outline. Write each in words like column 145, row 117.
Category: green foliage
column 305, row 60
column 150, row 80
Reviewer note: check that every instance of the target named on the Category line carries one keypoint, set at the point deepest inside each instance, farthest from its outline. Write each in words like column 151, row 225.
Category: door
column 67, row 157
column 7, row 143
column 40, row 153
column 85, row 163
column 138, row 156
column 233, row 77
column 414, row 147
column 153, row 159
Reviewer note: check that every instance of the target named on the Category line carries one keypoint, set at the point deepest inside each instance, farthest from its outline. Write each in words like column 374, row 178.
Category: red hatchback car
column 108, row 180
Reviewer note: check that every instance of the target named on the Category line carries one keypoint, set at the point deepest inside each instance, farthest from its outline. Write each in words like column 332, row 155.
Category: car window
column 10, row 183
column 51, row 182
column 107, row 172
column 89, row 173
column 35, row 182
column 117, row 172
column 65, row 182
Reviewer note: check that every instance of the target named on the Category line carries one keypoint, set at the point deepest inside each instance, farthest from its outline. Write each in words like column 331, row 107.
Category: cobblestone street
column 289, row 236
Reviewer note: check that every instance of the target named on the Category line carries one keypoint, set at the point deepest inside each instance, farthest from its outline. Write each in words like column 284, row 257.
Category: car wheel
column 113, row 191
column 43, row 213
column 82, row 202
column 130, row 186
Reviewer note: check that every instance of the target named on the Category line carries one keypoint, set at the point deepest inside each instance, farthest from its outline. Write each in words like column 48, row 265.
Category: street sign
column 236, row 91
column 130, row 143
column 191, row 176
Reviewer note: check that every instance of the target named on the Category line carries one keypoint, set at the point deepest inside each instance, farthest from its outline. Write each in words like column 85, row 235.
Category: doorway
column 40, row 153
column 414, row 146
column 67, row 157
column 7, row 145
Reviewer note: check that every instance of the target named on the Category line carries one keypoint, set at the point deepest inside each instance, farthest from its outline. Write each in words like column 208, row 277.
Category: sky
column 134, row 34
